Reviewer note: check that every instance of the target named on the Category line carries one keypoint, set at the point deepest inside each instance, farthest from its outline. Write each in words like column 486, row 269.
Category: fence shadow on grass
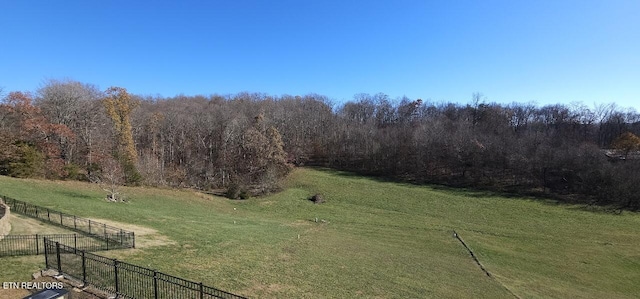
column 123, row 279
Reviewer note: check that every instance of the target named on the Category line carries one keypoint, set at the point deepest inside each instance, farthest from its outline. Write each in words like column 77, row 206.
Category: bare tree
column 72, row 104
column 111, row 179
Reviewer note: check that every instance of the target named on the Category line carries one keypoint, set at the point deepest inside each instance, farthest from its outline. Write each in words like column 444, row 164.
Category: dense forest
column 247, row 142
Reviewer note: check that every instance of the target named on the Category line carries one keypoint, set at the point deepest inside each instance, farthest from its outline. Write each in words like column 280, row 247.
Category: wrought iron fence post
column 115, row 271
column 61, row 219
column 46, row 253
column 84, row 269
column 105, row 229
column 133, row 237
column 58, row 257
column 74, row 222
column 121, row 238
column 201, row 291
column 89, row 226
column 155, row 284
column 49, row 215
column 75, row 242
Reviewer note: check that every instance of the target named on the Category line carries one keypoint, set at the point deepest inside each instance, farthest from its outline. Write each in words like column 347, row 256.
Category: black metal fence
column 13, row 245
column 124, row 279
column 93, row 228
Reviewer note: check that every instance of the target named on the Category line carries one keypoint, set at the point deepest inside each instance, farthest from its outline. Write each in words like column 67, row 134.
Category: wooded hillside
column 249, row 141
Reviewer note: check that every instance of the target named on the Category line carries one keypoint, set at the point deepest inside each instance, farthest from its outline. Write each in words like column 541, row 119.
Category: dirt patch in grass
column 23, row 225
column 145, row 237
column 300, row 223
column 267, row 203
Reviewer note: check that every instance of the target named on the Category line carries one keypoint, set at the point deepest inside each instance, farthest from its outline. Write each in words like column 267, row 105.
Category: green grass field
column 373, row 239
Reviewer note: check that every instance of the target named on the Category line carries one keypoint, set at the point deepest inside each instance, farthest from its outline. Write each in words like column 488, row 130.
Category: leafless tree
column 111, row 179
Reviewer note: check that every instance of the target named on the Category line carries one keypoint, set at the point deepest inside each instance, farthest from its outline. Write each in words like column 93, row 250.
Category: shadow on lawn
column 570, row 201
column 72, row 194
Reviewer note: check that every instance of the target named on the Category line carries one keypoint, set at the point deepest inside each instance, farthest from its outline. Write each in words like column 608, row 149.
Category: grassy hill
column 372, row 239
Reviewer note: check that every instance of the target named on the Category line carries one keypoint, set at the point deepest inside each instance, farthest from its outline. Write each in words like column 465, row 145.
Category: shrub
column 233, row 191
column 244, row 194
column 131, row 174
column 318, row 198
column 72, row 172
column 29, row 162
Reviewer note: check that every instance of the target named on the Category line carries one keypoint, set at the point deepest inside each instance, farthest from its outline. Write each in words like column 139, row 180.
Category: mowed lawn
column 372, row 239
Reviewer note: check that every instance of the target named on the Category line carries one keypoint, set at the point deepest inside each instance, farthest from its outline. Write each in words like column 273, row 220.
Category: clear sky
column 543, row 51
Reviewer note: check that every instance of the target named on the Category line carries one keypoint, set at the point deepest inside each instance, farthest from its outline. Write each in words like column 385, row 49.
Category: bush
column 318, row 198
column 29, row 162
column 131, row 174
column 244, row 194
column 72, row 172
column 235, row 191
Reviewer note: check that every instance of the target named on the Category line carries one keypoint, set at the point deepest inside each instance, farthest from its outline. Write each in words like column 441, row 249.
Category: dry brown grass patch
column 145, row 236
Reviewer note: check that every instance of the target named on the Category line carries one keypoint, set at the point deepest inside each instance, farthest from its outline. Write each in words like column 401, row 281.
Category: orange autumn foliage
column 25, row 123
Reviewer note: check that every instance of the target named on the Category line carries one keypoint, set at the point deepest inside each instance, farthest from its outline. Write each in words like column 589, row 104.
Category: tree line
column 247, row 142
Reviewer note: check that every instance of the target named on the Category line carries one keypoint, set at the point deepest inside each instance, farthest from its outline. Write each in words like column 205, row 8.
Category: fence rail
column 83, row 225
column 124, row 279
column 14, row 245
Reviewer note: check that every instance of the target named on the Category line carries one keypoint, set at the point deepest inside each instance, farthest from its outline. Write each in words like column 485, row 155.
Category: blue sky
column 511, row 51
